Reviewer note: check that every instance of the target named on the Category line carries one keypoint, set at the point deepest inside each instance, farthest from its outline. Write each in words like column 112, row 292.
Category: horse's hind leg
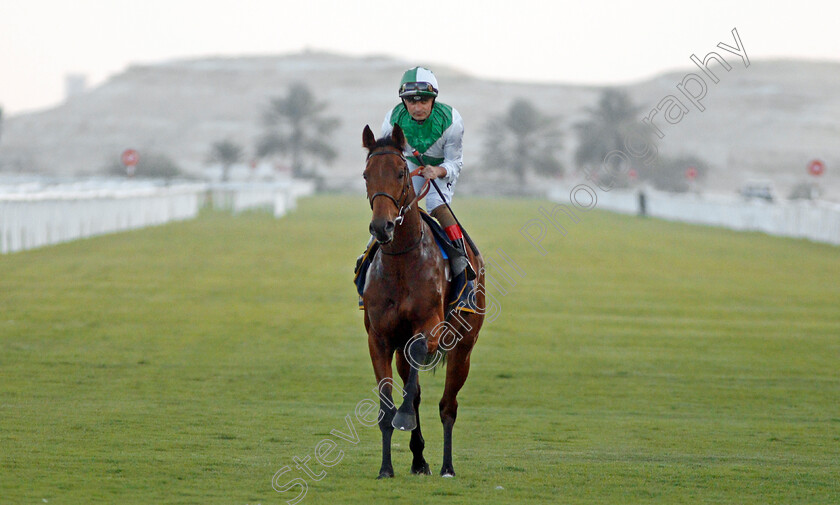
column 419, row 466
column 457, row 369
column 406, row 418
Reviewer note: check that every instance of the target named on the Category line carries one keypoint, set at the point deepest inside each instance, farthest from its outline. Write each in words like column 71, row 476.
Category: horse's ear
column 368, row 138
column 398, row 136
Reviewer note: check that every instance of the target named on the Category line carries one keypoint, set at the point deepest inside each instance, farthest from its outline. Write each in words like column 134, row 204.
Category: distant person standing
column 436, row 131
column 642, row 204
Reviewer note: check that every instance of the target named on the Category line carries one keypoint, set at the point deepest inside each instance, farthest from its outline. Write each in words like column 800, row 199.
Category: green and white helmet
column 418, row 82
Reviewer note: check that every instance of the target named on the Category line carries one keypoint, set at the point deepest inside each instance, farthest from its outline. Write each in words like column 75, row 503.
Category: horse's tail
column 438, row 362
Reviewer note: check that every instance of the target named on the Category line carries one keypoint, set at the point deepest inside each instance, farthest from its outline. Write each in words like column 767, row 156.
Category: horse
column 404, row 304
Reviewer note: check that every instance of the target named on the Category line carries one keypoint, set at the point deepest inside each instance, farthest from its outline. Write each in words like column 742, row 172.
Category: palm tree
column 523, row 139
column 612, row 127
column 226, row 153
column 294, row 126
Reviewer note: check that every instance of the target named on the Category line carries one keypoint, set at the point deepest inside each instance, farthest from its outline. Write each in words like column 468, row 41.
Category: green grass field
column 637, row 361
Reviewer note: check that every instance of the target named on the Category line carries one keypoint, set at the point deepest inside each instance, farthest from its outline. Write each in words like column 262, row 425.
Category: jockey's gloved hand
column 432, row 172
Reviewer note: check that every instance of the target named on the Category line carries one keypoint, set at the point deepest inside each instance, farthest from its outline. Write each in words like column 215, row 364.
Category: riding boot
column 461, row 262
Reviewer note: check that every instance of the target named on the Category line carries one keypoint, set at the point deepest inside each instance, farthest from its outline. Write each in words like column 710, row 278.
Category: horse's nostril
column 382, row 230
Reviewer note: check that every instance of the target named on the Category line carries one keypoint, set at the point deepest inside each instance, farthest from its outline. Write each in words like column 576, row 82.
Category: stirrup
column 471, row 275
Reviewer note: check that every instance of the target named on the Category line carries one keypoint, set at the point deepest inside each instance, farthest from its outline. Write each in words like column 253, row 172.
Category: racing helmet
column 418, row 83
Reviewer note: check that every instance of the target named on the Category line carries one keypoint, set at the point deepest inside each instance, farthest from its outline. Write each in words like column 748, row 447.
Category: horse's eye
column 364, row 175
column 401, row 175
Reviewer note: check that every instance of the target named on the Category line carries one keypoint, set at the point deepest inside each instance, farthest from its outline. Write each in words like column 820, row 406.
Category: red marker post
column 130, row 158
column 816, row 168
column 691, row 173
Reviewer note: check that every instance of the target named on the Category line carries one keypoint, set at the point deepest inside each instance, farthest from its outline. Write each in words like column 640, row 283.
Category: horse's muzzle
column 382, row 230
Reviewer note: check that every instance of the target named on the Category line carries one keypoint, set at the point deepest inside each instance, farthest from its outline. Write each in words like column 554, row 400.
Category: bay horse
column 405, row 298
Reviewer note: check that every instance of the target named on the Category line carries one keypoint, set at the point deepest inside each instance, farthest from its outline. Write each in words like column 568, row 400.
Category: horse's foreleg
column 406, row 418
column 387, row 406
column 381, row 359
column 457, row 369
column 419, row 466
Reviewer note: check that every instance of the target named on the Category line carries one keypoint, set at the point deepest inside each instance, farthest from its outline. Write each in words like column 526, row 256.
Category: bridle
column 402, row 207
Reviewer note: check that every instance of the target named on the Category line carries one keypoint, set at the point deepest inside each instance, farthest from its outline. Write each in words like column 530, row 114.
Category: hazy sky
column 590, row 41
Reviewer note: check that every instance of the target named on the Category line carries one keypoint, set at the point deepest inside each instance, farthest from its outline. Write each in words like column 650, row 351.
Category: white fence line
column 35, row 219
column 34, row 215
column 814, row 220
column 280, row 197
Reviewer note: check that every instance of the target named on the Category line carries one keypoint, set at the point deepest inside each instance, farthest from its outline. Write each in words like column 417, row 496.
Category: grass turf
column 636, row 361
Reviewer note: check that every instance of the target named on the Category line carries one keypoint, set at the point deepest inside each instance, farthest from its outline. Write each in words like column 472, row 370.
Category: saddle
column 460, row 286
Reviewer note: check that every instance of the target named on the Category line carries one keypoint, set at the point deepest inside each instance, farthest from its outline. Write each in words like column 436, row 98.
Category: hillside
column 767, row 120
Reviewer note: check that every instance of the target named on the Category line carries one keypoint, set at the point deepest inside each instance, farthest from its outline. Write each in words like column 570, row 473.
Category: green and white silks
column 439, row 139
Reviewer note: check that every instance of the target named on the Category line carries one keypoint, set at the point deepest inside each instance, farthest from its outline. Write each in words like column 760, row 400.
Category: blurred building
column 74, row 84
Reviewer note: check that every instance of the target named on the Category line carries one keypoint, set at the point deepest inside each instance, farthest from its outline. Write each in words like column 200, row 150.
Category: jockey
column 436, row 131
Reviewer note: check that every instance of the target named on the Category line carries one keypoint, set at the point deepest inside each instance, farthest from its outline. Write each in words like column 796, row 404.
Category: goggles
column 410, row 88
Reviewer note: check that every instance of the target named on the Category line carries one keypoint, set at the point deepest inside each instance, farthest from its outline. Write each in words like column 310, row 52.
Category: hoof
column 447, row 472
column 404, row 421
column 386, row 474
column 421, row 469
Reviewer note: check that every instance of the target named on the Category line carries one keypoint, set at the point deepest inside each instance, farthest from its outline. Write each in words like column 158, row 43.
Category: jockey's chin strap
column 403, row 208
